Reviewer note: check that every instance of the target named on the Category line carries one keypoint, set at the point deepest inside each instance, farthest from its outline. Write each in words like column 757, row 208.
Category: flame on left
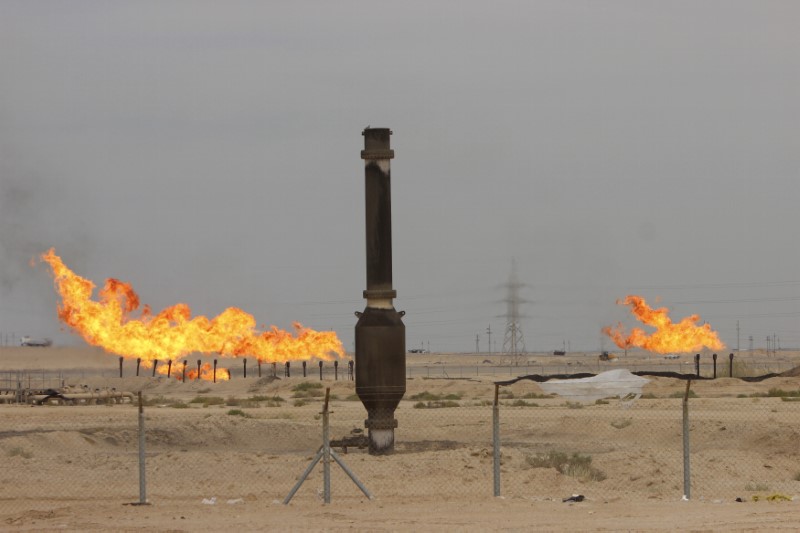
column 173, row 333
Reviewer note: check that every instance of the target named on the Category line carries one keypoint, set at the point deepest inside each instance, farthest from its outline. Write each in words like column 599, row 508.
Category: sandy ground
column 74, row 468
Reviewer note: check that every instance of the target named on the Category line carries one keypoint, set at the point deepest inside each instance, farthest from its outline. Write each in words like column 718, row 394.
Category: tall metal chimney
column 380, row 333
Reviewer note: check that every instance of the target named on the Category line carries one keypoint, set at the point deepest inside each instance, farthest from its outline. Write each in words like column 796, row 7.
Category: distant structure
column 513, row 341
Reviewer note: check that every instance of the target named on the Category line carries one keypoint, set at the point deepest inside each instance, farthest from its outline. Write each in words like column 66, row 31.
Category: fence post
column 326, row 454
column 496, row 439
column 142, row 482
column 687, row 478
column 326, row 450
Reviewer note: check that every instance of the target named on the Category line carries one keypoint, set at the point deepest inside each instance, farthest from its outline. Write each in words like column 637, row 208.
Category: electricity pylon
column 513, row 341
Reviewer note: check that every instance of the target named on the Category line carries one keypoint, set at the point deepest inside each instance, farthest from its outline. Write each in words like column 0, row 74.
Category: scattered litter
column 235, row 501
column 210, row 501
column 739, row 500
column 574, row 498
column 685, row 498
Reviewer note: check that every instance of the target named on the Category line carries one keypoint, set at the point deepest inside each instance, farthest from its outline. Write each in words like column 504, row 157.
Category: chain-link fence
column 249, row 440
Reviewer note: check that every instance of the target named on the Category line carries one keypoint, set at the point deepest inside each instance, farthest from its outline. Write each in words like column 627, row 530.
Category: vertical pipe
column 336, row 371
column 288, row 372
column 259, row 367
column 244, row 361
column 697, row 365
column 379, row 333
column 138, row 362
column 215, row 370
column 304, row 369
column 198, row 370
column 120, row 367
column 320, row 370
column 496, row 440
column 142, row 482
column 714, row 357
column 169, row 368
column 274, row 369
column 350, row 375
column 730, row 367
column 687, row 489
column 155, row 364
column 183, row 376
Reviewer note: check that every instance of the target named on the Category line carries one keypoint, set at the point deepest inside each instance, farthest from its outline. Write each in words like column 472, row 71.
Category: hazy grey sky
column 208, row 153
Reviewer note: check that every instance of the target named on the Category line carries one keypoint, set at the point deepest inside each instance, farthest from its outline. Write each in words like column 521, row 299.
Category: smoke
column 33, row 209
column 20, row 239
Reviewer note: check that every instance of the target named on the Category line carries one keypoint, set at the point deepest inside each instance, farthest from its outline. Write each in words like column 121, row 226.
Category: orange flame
column 173, row 332
column 685, row 336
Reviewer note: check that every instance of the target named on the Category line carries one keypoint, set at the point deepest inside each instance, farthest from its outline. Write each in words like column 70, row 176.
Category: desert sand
column 225, row 455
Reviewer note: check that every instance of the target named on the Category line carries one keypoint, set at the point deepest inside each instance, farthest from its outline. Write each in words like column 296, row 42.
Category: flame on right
column 683, row 336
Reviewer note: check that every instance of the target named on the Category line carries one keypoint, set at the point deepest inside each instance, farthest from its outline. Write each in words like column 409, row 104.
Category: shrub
column 680, row 393
column 436, row 404
column 307, row 385
column 536, row 396
column 575, row 465
column 208, row 400
column 428, row 396
column 780, row 393
column 18, row 451
column 239, row 412
column 523, row 403
column 621, row 423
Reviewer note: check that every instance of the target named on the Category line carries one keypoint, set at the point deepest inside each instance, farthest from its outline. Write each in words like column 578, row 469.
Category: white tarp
column 618, row 383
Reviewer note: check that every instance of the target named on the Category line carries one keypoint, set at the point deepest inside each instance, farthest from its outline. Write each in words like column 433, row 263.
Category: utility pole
column 489, row 333
column 750, row 340
column 477, row 341
column 737, row 335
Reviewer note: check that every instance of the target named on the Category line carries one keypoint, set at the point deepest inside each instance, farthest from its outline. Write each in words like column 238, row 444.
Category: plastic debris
column 210, row 501
column 620, row 383
column 574, row 498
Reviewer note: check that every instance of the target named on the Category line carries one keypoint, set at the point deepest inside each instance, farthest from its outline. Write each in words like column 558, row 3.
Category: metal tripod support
column 326, row 454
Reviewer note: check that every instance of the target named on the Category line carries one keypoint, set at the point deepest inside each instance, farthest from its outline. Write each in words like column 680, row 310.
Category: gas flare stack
column 380, row 333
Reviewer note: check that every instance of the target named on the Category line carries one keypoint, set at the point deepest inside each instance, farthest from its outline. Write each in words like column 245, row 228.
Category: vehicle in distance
column 29, row 341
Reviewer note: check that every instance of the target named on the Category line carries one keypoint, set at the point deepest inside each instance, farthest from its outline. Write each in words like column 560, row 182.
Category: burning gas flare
column 685, row 336
column 173, row 333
